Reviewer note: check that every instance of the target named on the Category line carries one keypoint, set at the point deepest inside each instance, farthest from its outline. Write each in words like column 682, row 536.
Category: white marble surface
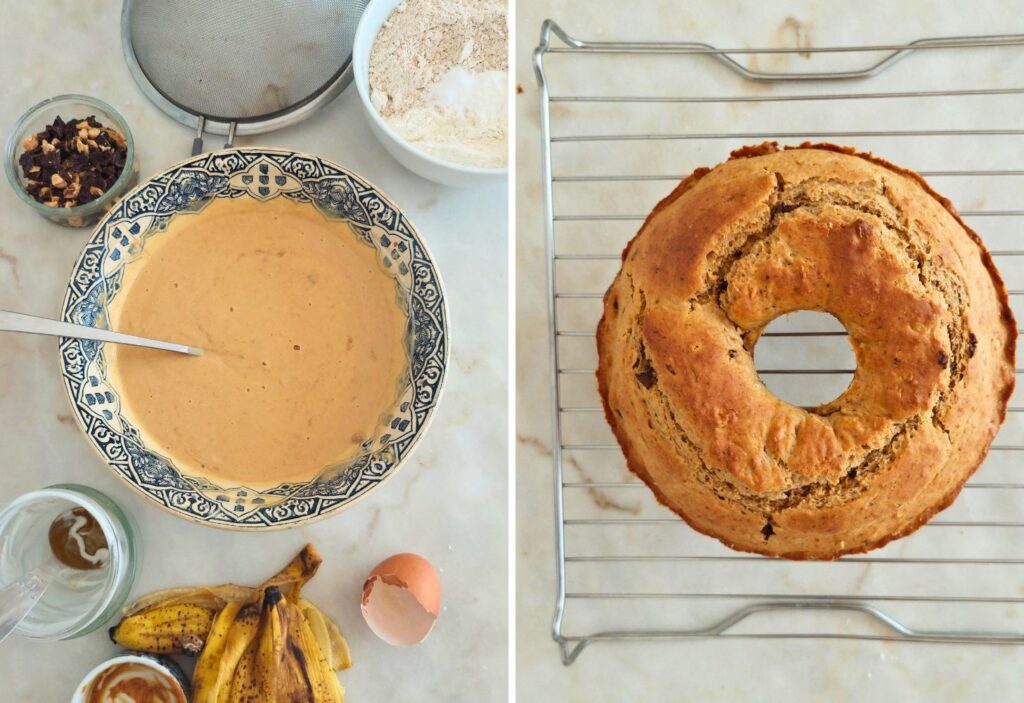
column 449, row 503
column 737, row 670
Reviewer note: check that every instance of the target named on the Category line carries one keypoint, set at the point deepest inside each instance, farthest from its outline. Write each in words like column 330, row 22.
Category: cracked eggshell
column 402, row 599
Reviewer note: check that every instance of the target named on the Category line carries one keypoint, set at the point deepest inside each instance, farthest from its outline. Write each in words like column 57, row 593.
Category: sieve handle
column 197, row 143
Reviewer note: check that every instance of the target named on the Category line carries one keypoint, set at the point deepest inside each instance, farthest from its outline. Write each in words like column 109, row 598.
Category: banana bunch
column 254, row 644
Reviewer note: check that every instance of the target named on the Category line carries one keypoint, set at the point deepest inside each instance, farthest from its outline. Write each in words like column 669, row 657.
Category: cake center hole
column 815, row 345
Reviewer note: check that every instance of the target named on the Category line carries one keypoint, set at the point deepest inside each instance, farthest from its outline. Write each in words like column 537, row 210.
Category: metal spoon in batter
column 17, row 322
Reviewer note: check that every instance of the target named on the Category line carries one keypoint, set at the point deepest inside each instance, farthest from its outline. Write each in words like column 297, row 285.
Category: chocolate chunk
column 56, row 130
column 647, row 378
column 972, row 344
column 50, row 160
column 76, row 162
column 644, row 371
column 943, row 359
column 68, row 165
column 767, row 531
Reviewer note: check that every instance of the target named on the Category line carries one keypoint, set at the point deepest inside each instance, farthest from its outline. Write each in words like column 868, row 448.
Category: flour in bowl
column 439, row 77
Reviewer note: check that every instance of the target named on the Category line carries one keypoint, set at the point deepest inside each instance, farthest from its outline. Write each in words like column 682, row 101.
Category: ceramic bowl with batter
column 323, row 323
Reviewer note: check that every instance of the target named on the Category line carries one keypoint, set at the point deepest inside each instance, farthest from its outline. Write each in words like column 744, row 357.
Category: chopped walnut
column 116, row 137
column 72, row 189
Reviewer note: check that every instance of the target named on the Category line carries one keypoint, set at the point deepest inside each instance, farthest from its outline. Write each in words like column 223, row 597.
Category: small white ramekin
column 417, row 161
column 161, row 664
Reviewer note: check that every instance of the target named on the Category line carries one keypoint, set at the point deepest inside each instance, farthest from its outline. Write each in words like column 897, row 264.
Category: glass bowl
column 69, row 107
column 76, row 601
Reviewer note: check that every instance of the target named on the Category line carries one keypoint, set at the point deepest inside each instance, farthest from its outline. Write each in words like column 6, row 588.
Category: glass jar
column 76, row 601
column 70, row 107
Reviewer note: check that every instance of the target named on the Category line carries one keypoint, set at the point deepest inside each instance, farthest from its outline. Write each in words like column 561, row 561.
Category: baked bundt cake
column 816, row 227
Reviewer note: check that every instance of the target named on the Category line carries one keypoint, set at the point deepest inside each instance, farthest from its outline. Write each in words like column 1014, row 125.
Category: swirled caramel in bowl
column 133, row 682
column 77, row 540
column 304, row 339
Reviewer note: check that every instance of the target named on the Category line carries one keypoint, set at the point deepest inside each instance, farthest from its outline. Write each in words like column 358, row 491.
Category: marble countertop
column 448, row 503
column 736, row 669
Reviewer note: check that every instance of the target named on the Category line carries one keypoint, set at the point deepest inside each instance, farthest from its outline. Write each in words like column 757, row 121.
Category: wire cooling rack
column 621, row 123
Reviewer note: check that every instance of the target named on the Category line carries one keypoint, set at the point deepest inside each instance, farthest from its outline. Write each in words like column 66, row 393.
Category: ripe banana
column 241, row 638
column 272, row 641
column 293, row 679
column 256, row 645
column 170, row 629
column 323, row 680
column 294, row 576
column 212, row 597
column 289, row 580
column 243, row 682
column 327, row 634
column 206, row 679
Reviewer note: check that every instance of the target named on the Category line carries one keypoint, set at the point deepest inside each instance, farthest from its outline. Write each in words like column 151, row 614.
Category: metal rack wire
column 629, row 570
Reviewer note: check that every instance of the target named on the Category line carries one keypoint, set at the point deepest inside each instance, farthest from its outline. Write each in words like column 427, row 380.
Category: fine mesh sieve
column 238, row 65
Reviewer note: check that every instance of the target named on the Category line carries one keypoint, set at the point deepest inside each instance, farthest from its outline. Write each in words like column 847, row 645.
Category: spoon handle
column 17, row 599
column 17, row 322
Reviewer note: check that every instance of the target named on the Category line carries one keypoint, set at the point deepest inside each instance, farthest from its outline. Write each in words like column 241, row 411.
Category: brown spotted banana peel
column 171, row 629
column 325, row 684
column 210, row 673
column 333, row 644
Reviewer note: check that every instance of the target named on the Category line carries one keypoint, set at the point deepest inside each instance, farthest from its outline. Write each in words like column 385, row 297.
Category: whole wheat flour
column 439, row 77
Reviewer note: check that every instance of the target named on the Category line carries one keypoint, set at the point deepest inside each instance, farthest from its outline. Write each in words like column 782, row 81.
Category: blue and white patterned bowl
column 262, row 174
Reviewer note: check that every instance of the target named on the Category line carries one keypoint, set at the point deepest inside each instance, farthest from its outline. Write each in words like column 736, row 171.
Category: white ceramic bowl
column 417, row 161
column 162, row 664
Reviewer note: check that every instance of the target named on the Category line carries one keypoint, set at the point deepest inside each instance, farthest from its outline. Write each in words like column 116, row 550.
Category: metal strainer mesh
column 240, row 60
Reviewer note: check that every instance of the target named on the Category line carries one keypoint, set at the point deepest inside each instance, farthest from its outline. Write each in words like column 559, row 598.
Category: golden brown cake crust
column 815, row 227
